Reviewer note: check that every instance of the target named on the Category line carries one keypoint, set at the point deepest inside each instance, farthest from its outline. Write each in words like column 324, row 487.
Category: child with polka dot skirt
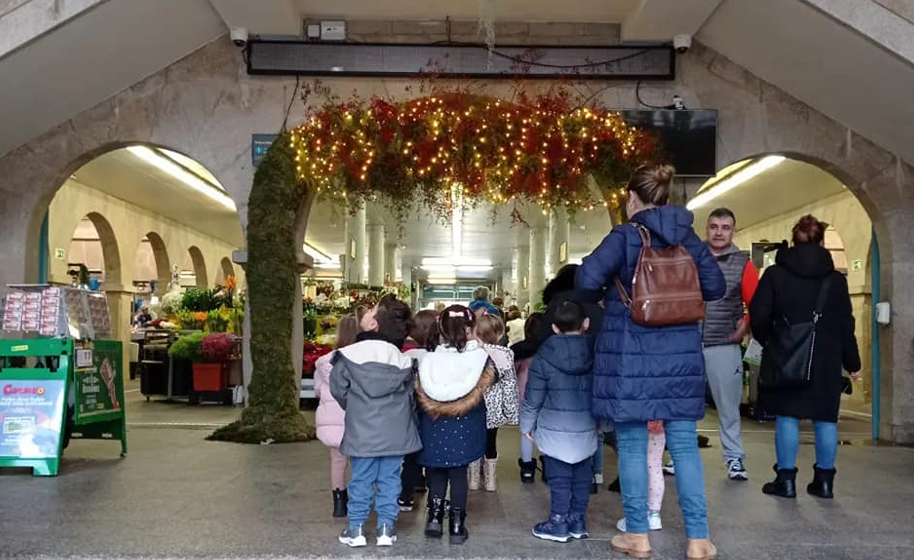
column 656, row 441
column 450, row 390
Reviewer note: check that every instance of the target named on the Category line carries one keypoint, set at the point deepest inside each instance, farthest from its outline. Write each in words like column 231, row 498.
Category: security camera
column 682, row 43
column 239, row 36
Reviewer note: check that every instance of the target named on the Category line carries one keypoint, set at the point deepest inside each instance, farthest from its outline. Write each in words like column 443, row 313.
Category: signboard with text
column 97, row 379
column 31, row 416
column 54, row 389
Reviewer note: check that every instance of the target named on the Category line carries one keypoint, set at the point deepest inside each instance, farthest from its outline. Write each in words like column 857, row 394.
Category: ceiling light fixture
column 452, row 262
column 734, row 181
column 186, row 177
column 321, row 259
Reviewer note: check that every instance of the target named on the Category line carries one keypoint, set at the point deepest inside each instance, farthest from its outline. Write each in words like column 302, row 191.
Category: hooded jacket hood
column 378, row 367
column 448, row 375
column 570, row 354
column 672, row 224
column 806, row 259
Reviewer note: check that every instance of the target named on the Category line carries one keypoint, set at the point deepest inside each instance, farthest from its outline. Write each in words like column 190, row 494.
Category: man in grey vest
column 723, row 330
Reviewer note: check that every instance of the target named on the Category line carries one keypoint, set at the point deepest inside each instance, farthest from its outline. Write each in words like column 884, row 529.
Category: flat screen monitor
column 689, row 138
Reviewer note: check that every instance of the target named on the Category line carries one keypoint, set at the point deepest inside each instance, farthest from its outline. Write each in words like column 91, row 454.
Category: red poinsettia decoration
column 310, row 353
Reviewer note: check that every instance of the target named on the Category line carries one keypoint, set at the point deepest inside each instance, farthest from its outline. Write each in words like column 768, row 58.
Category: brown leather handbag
column 665, row 287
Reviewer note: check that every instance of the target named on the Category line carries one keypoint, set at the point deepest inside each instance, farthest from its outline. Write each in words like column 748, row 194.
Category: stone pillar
column 537, row 265
column 391, row 252
column 522, row 275
column 354, row 265
column 376, row 255
column 559, row 235
column 120, row 305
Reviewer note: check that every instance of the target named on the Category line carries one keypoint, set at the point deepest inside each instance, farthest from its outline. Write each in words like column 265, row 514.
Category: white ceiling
column 125, row 176
column 822, row 62
column 483, row 238
column 780, row 190
column 92, row 57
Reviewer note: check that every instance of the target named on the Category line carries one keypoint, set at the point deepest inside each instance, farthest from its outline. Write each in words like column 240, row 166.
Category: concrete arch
column 199, row 262
column 110, row 252
column 225, row 269
column 163, row 264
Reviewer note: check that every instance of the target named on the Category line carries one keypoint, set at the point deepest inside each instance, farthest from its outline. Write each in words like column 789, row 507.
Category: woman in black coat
column 789, row 290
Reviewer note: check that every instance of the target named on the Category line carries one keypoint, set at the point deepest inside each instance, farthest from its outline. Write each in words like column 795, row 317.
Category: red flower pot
column 209, row 377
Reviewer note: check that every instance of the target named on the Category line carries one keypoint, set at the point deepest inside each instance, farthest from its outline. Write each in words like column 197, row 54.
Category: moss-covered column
column 274, row 219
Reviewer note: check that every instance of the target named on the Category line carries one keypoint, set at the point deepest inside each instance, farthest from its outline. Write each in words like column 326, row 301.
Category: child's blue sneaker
column 555, row 530
column 353, row 536
column 387, row 535
column 577, row 527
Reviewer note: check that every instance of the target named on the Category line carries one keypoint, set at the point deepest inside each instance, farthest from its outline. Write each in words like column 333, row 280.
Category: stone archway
column 199, row 265
column 878, row 189
column 162, row 262
column 109, row 245
column 225, row 269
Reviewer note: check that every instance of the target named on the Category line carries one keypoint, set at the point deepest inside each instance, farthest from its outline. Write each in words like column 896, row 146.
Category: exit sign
column 260, row 144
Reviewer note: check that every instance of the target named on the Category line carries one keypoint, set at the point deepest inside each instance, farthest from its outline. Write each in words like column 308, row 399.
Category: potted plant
column 211, row 373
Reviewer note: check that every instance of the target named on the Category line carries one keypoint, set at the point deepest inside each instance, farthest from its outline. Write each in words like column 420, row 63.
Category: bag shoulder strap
column 823, row 295
column 645, row 244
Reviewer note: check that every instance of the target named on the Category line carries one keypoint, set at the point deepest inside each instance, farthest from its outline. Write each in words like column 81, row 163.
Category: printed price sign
column 31, row 414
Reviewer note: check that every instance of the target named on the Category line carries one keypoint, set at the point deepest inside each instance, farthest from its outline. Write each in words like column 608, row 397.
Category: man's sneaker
column 406, row 504
column 653, row 523
column 669, row 468
column 577, row 527
column 555, row 530
column 353, row 536
column 736, row 470
column 387, row 535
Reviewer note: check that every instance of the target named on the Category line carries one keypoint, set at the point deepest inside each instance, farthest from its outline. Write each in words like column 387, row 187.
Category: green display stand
column 46, row 383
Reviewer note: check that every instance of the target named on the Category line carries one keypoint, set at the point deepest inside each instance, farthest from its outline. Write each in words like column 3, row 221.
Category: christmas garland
column 540, row 149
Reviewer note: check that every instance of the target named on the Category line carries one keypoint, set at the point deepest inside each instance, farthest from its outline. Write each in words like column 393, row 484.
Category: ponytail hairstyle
column 452, row 327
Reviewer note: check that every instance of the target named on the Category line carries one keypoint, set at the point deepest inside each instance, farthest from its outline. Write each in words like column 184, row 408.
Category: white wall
column 129, row 224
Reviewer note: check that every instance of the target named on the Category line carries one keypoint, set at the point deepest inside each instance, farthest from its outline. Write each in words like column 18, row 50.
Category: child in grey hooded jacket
column 373, row 382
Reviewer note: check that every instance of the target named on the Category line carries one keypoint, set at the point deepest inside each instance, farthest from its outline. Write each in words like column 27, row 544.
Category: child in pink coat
column 331, row 418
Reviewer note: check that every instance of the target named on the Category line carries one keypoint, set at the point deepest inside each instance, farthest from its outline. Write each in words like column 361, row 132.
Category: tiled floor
column 177, row 495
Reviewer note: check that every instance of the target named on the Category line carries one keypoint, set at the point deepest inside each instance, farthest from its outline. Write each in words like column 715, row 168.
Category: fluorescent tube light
column 734, row 181
column 186, row 177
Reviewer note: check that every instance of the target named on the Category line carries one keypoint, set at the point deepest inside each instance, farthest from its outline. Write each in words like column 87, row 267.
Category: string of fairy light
column 499, row 152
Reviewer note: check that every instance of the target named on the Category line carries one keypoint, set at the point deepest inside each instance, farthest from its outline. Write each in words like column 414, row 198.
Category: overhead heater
column 461, row 60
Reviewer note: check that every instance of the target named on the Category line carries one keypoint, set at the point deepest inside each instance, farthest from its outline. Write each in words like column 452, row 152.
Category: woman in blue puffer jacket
column 652, row 373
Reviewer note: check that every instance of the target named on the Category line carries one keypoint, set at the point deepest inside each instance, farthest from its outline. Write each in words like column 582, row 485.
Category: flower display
column 538, row 148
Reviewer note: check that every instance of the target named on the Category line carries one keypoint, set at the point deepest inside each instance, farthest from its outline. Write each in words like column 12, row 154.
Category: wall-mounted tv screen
column 689, row 137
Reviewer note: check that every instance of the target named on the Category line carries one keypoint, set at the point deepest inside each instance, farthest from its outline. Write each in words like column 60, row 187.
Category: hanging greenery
column 538, row 148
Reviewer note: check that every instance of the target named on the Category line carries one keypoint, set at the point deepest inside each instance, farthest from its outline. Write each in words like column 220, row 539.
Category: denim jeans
column 787, row 442
column 682, row 442
column 368, row 472
column 569, row 486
